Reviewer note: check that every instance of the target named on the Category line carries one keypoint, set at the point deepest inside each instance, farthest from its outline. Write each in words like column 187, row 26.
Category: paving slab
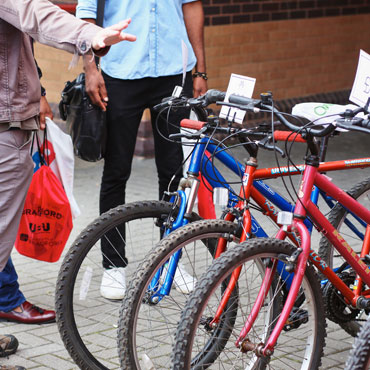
column 41, row 346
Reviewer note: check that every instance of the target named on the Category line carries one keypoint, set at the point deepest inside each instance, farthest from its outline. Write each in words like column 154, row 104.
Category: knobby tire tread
column 140, row 281
column 216, row 272
column 72, row 261
column 359, row 356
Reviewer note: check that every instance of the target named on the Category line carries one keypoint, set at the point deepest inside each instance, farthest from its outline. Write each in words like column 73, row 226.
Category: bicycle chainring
column 337, row 309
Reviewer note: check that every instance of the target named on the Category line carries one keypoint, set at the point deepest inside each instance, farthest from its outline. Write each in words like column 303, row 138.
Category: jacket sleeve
column 48, row 24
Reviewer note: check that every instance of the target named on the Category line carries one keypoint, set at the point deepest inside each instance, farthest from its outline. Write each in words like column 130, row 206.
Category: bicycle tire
column 78, row 318
column 288, row 348
column 359, row 357
column 360, row 192
column 146, row 330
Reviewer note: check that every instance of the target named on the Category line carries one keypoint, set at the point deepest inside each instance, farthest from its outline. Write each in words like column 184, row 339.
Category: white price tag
column 177, row 91
column 361, row 87
column 285, row 218
column 239, row 85
column 85, row 283
column 220, row 197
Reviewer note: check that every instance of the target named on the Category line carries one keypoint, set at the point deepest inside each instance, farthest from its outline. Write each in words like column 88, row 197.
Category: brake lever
column 190, row 135
column 264, row 143
column 180, row 135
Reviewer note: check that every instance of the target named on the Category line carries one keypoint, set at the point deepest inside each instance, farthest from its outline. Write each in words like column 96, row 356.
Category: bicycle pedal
column 296, row 318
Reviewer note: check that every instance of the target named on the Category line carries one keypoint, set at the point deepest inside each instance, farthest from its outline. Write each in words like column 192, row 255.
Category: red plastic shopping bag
column 46, row 220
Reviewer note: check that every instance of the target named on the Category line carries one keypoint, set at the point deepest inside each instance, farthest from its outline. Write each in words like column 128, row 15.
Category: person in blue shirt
column 135, row 78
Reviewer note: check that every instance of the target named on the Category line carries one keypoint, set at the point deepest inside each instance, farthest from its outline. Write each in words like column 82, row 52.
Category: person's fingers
column 42, row 120
column 98, row 101
column 112, row 35
column 120, row 26
column 95, row 97
column 103, row 94
column 128, row 37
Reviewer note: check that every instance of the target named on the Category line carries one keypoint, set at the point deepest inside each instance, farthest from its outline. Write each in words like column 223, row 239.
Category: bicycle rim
column 88, row 322
column 300, row 347
column 146, row 328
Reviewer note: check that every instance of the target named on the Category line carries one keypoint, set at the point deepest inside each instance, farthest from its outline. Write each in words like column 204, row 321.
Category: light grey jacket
column 46, row 23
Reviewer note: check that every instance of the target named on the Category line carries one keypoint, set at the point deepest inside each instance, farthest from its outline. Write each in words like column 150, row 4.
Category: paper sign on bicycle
column 360, row 93
column 239, row 85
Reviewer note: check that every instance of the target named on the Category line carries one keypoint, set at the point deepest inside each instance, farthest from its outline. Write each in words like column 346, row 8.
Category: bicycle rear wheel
column 146, row 327
column 300, row 345
column 83, row 315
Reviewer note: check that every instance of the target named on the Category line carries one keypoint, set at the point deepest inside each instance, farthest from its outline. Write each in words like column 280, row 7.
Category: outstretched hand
column 112, row 35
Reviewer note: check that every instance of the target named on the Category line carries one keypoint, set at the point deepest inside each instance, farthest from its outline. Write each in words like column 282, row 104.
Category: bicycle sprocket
column 337, row 309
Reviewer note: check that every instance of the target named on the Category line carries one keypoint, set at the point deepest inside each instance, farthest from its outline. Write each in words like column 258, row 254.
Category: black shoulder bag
column 85, row 121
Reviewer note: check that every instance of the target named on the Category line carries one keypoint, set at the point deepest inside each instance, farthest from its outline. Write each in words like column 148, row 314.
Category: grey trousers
column 16, row 167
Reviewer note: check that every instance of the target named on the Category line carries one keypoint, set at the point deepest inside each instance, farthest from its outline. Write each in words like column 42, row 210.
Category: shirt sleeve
column 49, row 25
column 188, row 1
column 86, row 9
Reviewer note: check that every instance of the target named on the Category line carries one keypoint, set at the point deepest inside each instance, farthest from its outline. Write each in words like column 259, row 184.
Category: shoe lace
column 37, row 308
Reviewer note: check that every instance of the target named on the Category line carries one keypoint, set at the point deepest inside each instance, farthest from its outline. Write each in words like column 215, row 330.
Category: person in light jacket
column 20, row 101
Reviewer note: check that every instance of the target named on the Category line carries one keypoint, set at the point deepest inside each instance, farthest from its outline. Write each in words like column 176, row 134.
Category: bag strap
column 41, row 153
column 99, row 20
column 46, row 146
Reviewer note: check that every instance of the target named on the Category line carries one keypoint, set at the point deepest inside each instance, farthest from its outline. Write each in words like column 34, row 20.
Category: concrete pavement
column 41, row 346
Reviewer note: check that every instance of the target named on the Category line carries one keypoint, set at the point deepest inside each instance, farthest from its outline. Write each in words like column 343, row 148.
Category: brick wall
column 293, row 48
column 221, row 12
column 291, row 58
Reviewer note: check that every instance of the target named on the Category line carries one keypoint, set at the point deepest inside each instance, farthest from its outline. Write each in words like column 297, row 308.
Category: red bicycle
column 256, row 322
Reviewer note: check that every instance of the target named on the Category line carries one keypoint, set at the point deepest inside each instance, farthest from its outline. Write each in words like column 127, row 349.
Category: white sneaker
column 113, row 283
column 184, row 282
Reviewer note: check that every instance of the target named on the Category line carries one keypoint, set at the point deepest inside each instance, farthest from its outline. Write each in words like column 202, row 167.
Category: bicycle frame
column 304, row 207
column 253, row 186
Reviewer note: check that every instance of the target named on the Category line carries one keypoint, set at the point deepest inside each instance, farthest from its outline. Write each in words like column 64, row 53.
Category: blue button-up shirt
column 159, row 27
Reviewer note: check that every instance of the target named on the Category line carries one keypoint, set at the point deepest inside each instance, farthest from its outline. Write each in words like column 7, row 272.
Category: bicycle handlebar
column 210, row 97
column 349, row 122
column 278, row 135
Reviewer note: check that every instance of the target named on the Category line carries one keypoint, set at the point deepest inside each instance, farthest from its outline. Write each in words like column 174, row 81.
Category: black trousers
column 127, row 101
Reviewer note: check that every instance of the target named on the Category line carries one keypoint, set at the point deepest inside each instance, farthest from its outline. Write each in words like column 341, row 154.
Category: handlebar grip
column 194, row 125
column 213, row 96
column 288, row 135
column 366, row 123
column 242, row 100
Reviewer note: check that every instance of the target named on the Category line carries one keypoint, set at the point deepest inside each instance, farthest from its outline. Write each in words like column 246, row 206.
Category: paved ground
column 41, row 346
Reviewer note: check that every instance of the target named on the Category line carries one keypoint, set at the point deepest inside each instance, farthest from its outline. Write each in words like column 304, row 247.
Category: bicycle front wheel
column 359, row 358
column 300, row 345
column 83, row 315
column 147, row 323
